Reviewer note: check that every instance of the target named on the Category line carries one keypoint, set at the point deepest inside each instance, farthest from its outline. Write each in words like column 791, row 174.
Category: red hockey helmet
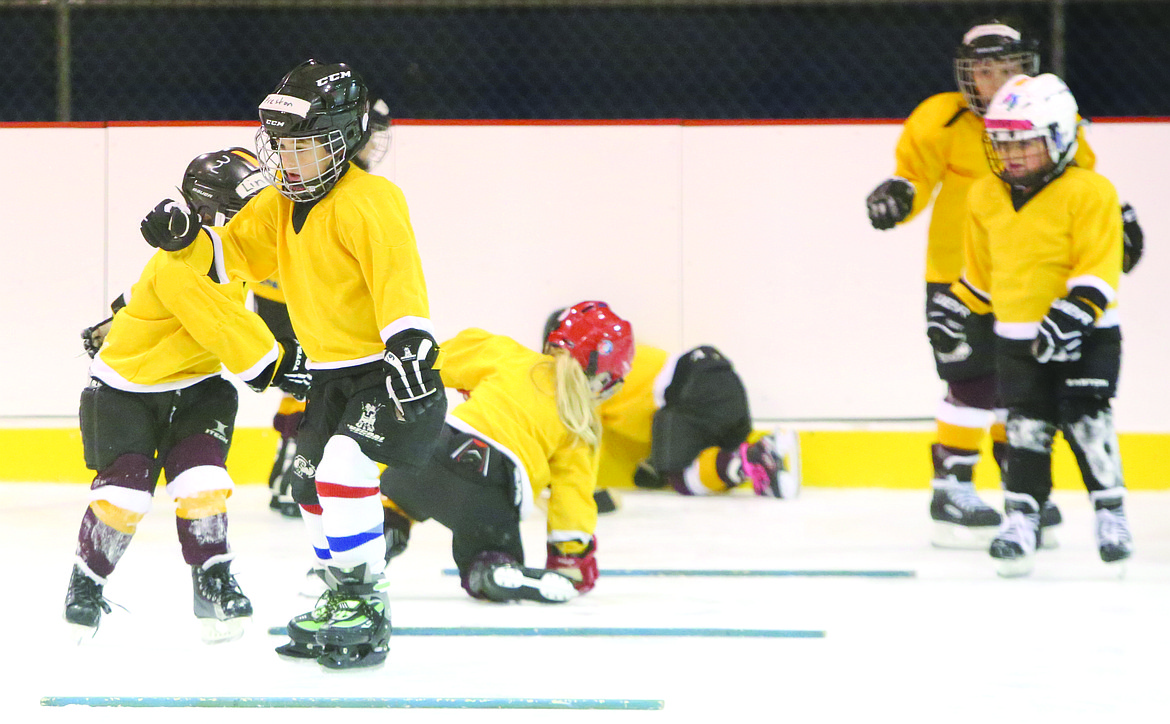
column 599, row 340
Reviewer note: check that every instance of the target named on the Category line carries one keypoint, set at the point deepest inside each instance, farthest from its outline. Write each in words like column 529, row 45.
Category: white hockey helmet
column 1026, row 108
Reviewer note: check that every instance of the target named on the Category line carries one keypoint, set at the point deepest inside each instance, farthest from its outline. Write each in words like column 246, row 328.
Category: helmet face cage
column 370, row 155
column 311, row 126
column 217, row 185
column 302, row 168
column 1027, row 109
column 599, row 340
column 995, row 52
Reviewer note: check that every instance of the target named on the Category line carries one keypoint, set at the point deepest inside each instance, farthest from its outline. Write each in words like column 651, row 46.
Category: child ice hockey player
column 341, row 243
column 270, row 305
column 1043, row 254
column 941, row 147
column 157, row 401
column 528, row 424
column 683, row 422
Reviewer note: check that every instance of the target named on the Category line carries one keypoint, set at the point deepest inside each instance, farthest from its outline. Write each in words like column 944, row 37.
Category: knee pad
column 977, row 392
column 123, row 491
column 1087, row 424
column 115, row 516
column 196, row 466
column 1030, row 433
column 1074, row 409
column 193, row 452
column 1027, row 464
column 203, row 504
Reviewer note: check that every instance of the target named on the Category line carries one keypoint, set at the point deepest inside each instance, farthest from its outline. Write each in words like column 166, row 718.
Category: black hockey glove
column 890, row 202
column 412, row 377
column 170, row 226
column 1069, row 320
column 92, row 338
column 946, row 326
column 1133, row 238
column 292, row 374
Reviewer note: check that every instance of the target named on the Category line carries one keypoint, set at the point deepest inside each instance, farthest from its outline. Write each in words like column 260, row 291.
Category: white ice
column 952, row 644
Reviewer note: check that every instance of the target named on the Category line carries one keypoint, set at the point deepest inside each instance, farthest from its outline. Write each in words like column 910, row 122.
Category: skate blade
column 80, row 634
column 294, row 651
column 1015, row 567
column 547, row 587
column 214, row 631
column 348, row 659
column 1048, row 539
column 1118, row 568
column 788, row 484
column 788, row 445
column 949, row 535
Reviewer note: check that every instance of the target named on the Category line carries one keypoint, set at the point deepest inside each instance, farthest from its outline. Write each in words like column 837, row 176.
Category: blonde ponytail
column 576, row 405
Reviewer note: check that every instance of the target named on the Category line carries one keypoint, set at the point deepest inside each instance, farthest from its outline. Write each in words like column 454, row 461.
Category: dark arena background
column 125, row 60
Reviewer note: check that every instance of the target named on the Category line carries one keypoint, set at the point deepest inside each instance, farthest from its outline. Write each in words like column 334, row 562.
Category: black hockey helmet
column 218, row 184
column 550, row 326
column 997, row 46
column 371, row 154
column 325, row 107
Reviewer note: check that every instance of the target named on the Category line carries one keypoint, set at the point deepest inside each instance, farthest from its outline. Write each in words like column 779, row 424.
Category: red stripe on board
column 137, row 124
column 649, row 122
column 54, row 124
column 550, row 122
column 314, row 509
column 333, row 490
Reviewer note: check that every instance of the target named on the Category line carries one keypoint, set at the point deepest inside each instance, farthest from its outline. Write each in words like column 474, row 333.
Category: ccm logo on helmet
column 334, row 76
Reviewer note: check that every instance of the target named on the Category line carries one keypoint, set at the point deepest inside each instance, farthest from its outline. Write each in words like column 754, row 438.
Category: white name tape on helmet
column 251, row 185
column 286, row 104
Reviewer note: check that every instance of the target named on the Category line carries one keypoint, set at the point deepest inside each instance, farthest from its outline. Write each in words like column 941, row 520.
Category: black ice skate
column 302, row 629
column 961, row 518
column 1114, row 539
column 221, row 607
column 1015, row 546
column 1050, row 520
column 84, row 605
column 356, row 632
column 498, row 577
column 280, row 480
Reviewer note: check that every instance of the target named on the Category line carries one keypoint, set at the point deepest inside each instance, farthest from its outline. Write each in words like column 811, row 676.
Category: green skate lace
column 324, row 611
column 362, row 609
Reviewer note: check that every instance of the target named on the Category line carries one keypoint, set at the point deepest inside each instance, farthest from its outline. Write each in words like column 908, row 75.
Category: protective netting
column 549, row 59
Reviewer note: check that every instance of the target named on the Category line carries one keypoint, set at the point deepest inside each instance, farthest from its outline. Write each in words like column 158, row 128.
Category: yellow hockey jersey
column 627, row 417
column 351, row 276
column 942, row 143
column 513, row 404
column 267, row 289
column 176, row 329
column 1066, row 236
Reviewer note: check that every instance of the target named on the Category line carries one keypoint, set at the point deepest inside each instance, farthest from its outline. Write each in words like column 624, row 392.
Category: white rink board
column 752, row 238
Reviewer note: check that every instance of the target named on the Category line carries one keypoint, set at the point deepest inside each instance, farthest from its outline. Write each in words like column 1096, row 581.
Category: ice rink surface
column 949, row 643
